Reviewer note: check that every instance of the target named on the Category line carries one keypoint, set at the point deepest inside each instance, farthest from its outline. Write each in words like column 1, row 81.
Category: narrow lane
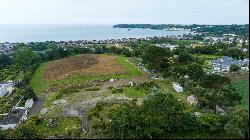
column 38, row 106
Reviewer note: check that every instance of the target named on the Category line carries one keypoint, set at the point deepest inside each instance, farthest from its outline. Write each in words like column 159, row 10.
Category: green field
column 67, row 126
column 38, row 86
column 134, row 93
column 243, row 88
column 36, row 80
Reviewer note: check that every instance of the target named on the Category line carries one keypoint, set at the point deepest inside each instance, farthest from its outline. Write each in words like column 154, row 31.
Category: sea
column 41, row 33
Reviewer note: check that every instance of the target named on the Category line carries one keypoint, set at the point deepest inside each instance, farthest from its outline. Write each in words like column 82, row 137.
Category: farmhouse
column 14, row 117
column 6, row 88
column 223, row 64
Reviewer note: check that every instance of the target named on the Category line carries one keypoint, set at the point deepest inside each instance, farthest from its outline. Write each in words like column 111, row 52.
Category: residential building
column 223, row 64
column 13, row 118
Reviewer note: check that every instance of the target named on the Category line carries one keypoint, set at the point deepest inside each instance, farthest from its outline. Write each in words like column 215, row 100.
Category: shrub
column 96, row 123
column 234, row 68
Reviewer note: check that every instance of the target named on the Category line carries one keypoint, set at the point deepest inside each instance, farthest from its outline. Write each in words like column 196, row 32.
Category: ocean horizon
column 66, row 32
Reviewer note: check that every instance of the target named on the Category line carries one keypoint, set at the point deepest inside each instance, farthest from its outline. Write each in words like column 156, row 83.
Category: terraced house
column 223, row 64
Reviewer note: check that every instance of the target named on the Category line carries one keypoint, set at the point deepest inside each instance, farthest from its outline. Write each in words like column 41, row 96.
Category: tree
column 178, row 71
column 236, row 53
column 184, row 57
column 2, row 134
column 238, row 122
column 226, row 97
column 25, row 131
column 230, row 97
column 234, row 68
column 5, row 60
column 160, row 116
column 211, row 123
column 125, row 123
column 195, row 71
column 157, row 58
column 214, row 81
column 219, row 91
column 23, row 56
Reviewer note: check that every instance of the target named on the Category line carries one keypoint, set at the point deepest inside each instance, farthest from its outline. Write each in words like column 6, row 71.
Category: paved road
column 38, row 105
column 85, row 121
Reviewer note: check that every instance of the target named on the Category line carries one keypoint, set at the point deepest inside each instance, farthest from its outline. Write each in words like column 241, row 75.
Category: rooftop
column 14, row 116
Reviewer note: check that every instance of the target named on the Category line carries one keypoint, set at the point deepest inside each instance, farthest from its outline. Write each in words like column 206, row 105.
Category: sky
column 124, row 11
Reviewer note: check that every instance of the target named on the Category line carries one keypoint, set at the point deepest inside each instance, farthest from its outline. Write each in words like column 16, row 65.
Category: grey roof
column 13, row 117
column 227, row 61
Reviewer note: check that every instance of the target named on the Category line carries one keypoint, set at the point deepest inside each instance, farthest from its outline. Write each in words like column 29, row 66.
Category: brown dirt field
column 86, row 64
column 235, row 77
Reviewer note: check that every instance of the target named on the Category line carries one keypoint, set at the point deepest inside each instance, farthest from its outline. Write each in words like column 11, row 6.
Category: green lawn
column 243, row 88
column 38, row 86
column 134, row 93
column 36, row 80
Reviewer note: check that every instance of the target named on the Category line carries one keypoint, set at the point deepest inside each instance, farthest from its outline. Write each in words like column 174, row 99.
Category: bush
column 146, row 85
column 100, row 104
column 234, row 68
column 25, row 131
column 96, row 123
column 211, row 123
column 72, row 131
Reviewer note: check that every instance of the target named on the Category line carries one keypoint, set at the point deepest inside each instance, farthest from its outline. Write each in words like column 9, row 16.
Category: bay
column 40, row 33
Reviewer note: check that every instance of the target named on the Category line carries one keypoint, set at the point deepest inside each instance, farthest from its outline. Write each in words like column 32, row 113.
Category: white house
column 29, row 103
column 177, row 87
column 3, row 90
column 6, row 88
column 223, row 64
column 13, row 118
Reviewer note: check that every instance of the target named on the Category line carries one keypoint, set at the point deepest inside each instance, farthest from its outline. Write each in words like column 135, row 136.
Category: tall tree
column 23, row 56
column 157, row 58
column 195, row 71
column 5, row 60
column 184, row 57
column 238, row 122
column 219, row 91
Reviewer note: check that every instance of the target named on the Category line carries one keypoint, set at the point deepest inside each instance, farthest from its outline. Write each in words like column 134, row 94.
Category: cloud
column 123, row 11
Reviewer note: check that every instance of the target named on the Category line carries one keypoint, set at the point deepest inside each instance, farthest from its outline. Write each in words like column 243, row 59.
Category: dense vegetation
column 218, row 30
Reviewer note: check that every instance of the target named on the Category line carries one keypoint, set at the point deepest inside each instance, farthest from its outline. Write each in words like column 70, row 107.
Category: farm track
column 38, row 106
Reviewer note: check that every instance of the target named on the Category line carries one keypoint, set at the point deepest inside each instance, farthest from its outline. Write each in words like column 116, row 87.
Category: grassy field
column 36, row 80
column 243, row 88
column 61, row 127
column 126, row 70
column 134, row 93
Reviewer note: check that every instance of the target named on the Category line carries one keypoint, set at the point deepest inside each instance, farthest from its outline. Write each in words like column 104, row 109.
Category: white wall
column 7, row 126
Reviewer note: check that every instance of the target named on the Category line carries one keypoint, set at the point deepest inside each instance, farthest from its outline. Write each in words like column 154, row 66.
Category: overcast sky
column 124, row 11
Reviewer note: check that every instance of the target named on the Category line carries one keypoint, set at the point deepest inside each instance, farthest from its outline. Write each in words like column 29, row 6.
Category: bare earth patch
column 86, row 64
column 235, row 77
